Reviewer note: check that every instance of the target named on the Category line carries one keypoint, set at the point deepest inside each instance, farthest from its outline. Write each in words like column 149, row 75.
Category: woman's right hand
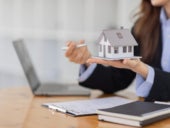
column 77, row 55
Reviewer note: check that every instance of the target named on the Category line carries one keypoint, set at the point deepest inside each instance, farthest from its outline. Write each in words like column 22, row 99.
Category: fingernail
column 88, row 61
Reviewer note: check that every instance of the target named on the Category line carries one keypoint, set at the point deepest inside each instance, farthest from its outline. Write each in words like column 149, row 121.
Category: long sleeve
column 109, row 79
column 161, row 87
column 84, row 73
column 143, row 86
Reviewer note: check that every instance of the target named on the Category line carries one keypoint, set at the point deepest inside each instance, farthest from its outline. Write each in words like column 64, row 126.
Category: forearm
column 141, row 68
column 109, row 79
column 160, row 89
column 85, row 72
column 143, row 86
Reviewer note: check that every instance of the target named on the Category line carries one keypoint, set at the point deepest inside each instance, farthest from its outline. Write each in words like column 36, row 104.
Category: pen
column 78, row 46
column 57, row 108
column 52, row 107
column 160, row 102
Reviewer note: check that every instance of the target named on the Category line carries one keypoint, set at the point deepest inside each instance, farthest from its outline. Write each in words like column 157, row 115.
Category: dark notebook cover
column 137, row 108
column 142, row 112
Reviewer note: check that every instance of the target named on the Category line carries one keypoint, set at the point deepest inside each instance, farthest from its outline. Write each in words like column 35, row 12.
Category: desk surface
column 20, row 109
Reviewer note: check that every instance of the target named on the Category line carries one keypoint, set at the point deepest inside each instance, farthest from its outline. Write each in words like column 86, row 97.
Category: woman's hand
column 133, row 64
column 77, row 55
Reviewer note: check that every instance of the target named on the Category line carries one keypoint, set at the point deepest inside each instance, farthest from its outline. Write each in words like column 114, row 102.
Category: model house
column 116, row 43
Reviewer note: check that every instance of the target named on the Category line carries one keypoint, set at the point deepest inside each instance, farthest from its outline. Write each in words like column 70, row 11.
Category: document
column 86, row 107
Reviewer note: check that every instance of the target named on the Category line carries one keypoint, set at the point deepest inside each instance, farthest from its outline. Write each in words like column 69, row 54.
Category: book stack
column 136, row 113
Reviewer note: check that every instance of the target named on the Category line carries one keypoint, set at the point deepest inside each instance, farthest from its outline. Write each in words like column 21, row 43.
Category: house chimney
column 121, row 27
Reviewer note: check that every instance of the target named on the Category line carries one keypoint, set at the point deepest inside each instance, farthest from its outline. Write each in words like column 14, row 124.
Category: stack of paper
column 86, row 107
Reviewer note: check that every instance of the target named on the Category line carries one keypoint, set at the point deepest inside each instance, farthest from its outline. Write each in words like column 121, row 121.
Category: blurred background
column 46, row 25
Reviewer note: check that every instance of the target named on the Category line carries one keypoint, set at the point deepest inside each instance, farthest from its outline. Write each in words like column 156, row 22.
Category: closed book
column 136, row 113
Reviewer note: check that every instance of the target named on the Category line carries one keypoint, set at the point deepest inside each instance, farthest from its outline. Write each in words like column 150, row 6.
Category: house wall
column 109, row 55
column 102, row 43
column 105, row 50
column 101, row 54
column 119, row 54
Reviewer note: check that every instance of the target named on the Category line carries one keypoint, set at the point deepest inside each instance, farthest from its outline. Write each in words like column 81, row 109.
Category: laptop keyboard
column 62, row 90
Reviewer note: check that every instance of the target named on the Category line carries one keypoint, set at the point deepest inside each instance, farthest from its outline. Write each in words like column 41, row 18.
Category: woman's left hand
column 126, row 63
column 133, row 64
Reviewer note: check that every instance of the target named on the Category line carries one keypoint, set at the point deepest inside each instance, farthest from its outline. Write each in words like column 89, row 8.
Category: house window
column 129, row 48
column 124, row 49
column 109, row 49
column 116, row 50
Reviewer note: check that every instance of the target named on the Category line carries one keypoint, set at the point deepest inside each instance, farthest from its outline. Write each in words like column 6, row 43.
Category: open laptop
column 36, row 86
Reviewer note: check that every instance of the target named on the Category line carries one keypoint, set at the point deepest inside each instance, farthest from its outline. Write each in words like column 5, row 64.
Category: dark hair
column 147, row 30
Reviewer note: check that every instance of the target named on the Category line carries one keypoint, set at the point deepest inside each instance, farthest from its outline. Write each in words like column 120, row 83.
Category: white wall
column 55, row 21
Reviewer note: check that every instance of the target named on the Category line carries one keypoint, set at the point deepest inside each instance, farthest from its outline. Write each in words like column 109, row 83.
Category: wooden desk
column 19, row 109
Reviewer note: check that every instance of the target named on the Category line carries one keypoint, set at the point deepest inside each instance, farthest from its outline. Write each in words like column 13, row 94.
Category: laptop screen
column 26, row 63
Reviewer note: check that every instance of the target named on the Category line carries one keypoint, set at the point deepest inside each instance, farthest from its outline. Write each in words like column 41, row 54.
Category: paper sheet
column 86, row 107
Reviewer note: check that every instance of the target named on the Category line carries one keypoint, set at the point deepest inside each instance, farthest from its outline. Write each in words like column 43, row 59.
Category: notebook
column 86, row 107
column 136, row 113
column 37, row 87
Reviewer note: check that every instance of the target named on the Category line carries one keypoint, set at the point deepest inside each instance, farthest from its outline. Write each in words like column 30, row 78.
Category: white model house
column 116, row 43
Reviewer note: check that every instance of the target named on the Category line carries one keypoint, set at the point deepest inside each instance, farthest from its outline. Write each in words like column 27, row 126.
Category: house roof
column 118, row 37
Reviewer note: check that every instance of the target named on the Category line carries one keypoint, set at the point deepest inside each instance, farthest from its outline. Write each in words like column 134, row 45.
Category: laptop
column 37, row 87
